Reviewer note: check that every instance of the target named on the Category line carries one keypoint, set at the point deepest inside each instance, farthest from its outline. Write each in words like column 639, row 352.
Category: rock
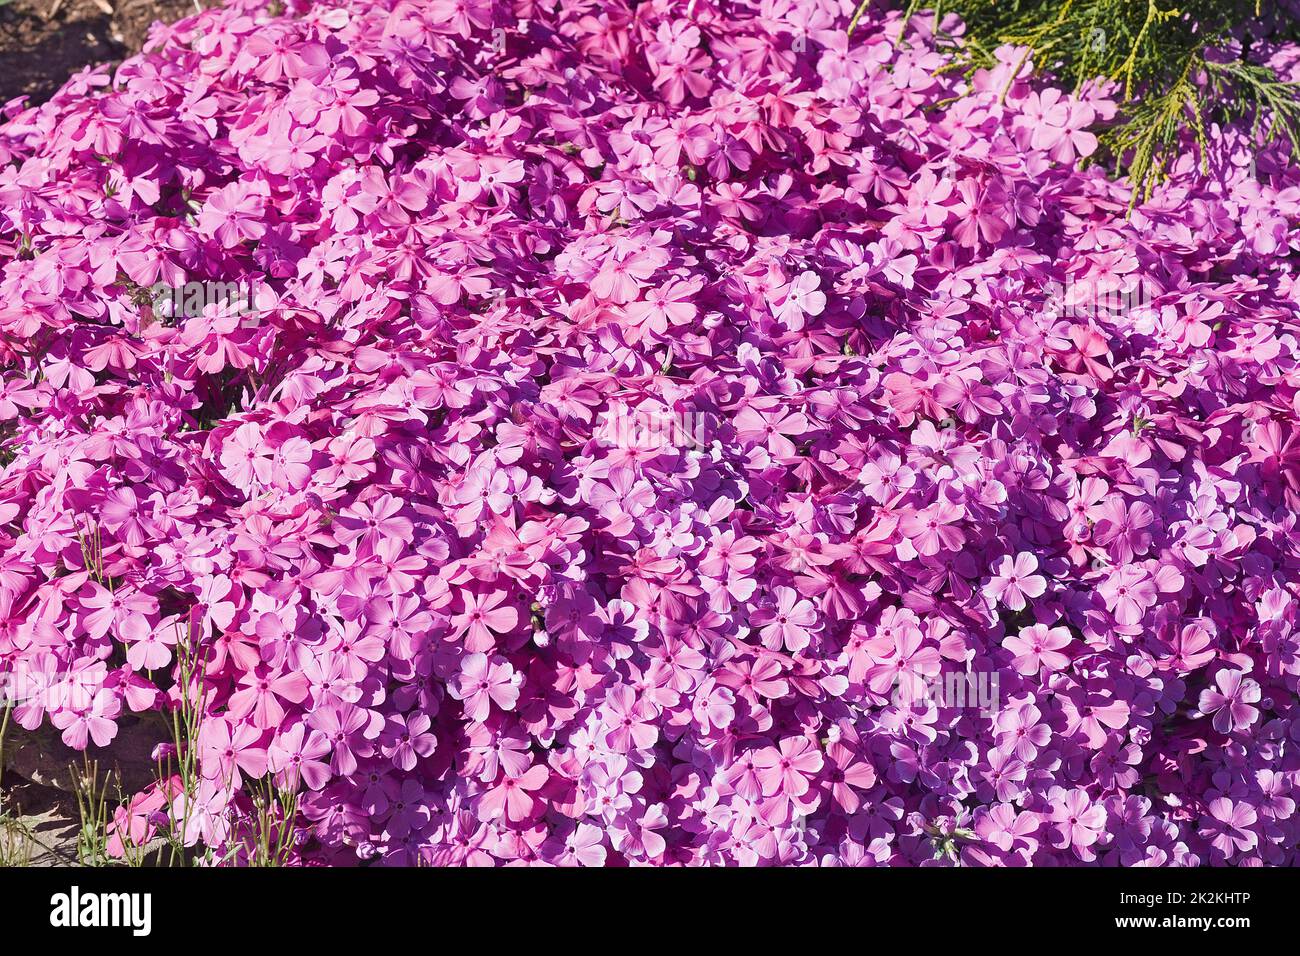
column 41, row 757
column 44, row 839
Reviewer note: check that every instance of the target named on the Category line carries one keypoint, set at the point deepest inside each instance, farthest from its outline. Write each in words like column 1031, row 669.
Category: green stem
column 4, row 729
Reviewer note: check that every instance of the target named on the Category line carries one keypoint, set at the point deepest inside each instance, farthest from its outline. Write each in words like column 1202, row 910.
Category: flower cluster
column 955, row 419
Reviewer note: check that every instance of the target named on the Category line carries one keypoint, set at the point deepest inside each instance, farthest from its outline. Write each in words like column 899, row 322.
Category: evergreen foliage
column 1180, row 66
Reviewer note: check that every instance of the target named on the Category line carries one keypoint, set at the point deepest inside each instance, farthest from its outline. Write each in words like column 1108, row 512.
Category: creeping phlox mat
column 671, row 434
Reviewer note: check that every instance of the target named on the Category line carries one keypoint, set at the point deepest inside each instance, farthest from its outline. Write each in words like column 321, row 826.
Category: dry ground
column 43, row 42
